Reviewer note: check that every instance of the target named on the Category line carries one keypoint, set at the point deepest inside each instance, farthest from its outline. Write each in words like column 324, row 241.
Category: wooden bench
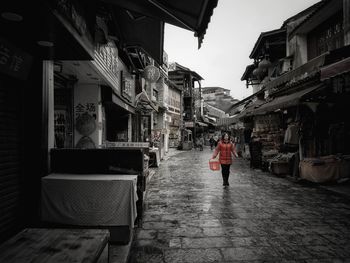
column 56, row 246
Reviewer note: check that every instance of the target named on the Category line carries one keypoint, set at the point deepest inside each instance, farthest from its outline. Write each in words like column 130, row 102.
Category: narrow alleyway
column 190, row 217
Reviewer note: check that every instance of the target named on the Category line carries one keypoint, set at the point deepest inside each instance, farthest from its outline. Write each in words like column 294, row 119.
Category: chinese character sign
column 14, row 61
column 86, row 124
column 151, row 73
column 88, row 107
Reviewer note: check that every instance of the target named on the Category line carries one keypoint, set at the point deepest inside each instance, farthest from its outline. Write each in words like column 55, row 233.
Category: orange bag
column 214, row 165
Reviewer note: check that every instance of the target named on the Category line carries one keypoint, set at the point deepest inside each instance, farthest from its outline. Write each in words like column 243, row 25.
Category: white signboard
column 189, row 124
column 128, row 144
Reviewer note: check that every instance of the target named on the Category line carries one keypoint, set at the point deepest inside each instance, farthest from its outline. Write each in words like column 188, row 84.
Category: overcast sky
column 234, row 28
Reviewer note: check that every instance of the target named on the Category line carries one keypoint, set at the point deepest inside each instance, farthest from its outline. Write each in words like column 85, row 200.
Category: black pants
column 225, row 170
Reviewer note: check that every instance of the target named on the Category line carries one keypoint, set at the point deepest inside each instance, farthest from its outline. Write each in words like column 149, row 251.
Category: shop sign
column 71, row 13
column 126, row 86
column 117, row 100
column 151, row 73
column 128, row 144
column 106, row 61
column 189, row 124
column 14, row 61
column 86, row 125
column 88, row 107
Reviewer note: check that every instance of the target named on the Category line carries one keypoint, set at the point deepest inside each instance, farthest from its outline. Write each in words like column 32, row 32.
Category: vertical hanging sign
column 106, row 61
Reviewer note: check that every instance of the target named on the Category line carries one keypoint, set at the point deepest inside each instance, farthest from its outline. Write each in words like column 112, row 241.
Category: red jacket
column 226, row 150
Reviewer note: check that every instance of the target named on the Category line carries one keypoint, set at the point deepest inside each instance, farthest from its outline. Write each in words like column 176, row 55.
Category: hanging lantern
column 265, row 63
column 151, row 73
column 258, row 72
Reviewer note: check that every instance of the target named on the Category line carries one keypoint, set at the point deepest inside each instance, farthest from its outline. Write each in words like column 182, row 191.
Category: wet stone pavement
column 191, row 217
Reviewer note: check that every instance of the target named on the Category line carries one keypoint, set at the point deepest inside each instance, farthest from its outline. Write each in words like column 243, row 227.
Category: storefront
column 325, row 143
column 304, row 133
column 43, row 108
column 103, row 112
column 26, row 77
column 174, row 130
column 276, row 129
column 93, row 100
column 173, row 114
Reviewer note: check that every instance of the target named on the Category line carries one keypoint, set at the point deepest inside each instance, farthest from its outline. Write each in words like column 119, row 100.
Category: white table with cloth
column 154, row 157
column 89, row 199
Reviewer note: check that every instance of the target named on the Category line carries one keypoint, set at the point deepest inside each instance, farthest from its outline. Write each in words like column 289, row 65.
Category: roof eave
column 262, row 36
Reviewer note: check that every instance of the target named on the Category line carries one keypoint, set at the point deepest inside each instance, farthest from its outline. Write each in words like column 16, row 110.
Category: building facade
column 302, row 72
column 77, row 80
column 185, row 79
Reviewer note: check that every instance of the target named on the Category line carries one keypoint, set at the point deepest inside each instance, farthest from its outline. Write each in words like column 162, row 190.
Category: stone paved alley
column 190, row 217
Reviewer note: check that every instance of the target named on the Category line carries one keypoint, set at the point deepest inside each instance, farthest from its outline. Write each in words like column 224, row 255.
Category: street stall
column 250, row 145
column 267, row 130
column 276, row 126
column 281, row 164
column 325, row 141
column 312, row 140
column 237, row 132
column 117, row 172
column 186, row 140
column 92, row 200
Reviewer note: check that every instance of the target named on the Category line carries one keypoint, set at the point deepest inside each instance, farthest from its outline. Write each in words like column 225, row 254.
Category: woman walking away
column 226, row 148
column 211, row 141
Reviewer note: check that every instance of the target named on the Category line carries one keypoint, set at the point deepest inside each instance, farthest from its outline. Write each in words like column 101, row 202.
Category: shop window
column 63, row 109
column 116, row 123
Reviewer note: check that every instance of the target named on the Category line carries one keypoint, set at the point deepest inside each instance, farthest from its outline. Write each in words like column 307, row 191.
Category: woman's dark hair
column 223, row 135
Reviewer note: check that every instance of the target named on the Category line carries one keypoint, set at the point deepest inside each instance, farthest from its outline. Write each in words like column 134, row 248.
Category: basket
column 280, row 168
column 214, row 165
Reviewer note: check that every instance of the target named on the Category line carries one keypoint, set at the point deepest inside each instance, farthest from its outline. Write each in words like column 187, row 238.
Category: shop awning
column 285, row 101
column 114, row 101
column 208, row 120
column 45, row 32
column 234, row 119
column 140, row 32
column 143, row 103
column 193, row 15
column 227, row 121
column 247, row 111
column 335, row 69
column 211, row 119
column 250, row 108
column 201, row 124
column 299, row 73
